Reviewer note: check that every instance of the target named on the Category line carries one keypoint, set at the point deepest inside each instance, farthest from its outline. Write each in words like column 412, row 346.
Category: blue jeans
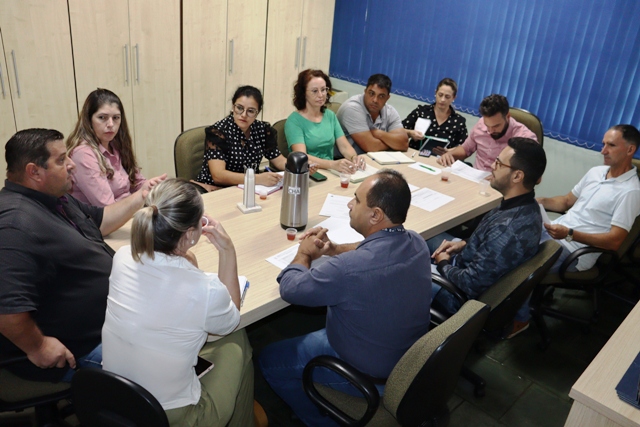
column 91, row 360
column 282, row 364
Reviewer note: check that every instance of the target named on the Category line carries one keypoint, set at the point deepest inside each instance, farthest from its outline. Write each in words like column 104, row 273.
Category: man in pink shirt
column 490, row 135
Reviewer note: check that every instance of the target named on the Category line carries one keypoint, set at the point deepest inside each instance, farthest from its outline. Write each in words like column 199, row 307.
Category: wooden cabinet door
column 246, row 35
column 155, row 46
column 317, row 30
column 7, row 119
column 204, row 52
column 282, row 65
column 101, row 50
column 37, row 45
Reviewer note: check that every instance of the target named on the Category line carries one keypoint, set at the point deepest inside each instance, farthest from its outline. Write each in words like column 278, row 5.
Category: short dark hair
column 28, row 146
column 449, row 82
column 494, row 104
column 300, row 88
column 530, row 158
column 391, row 194
column 629, row 133
column 381, row 80
column 249, row 92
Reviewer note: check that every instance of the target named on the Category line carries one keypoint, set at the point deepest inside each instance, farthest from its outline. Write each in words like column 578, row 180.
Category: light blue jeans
column 91, row 360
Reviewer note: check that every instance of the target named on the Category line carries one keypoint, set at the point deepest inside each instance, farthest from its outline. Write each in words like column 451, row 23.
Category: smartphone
column 203, row 366
column 317, row 177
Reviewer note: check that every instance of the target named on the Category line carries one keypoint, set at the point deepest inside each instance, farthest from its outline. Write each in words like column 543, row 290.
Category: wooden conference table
column 258, row 236
column 595, row 400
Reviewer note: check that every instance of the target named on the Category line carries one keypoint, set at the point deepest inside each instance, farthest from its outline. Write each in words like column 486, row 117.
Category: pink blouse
column 91, row 186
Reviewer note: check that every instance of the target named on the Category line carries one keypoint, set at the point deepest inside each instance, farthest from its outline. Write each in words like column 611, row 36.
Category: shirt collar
column 383, row 233
column 624, row 177
column 46, row 199
column 521, row 200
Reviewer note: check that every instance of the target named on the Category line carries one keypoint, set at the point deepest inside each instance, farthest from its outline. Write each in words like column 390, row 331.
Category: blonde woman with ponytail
column 161, row 308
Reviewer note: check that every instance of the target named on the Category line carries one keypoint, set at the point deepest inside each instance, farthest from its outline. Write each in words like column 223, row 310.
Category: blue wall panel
column 574, row 63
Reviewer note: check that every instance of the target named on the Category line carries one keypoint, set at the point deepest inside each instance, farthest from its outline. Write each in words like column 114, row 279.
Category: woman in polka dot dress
column 238, row 142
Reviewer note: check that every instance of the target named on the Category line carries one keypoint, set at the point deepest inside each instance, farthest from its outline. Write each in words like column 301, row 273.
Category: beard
column 498, row 135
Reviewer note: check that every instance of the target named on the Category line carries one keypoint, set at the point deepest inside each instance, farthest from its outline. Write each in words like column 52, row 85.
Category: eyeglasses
column 498, row 164
column 239, row 110
column 323, row 91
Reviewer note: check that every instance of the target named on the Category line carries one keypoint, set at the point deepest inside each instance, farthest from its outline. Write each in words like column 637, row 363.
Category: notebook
column 360, row 175
column 627, row 388
column 389, row 157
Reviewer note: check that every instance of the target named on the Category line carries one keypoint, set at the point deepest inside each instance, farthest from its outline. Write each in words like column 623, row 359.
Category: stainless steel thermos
column 295, row 196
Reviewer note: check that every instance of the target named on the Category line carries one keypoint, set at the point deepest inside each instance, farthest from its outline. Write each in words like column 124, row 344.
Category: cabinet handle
column 230, row 56
column 15, row 71
column 297, row 52
column 126, row 65
column 137, row 64
column 304, row 52
column 2, row 82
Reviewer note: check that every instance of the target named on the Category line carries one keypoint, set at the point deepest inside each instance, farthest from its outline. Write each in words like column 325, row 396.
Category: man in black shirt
column 54, row 263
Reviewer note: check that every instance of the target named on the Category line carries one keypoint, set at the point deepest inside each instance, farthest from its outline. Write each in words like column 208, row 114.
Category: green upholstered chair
column 334, row 106
column 530, row 120
column 105, row 399
column 188, row 153
column 17, row 394
column 507, row 295
column 281, row 137
column 593, row 281
column 421, row 383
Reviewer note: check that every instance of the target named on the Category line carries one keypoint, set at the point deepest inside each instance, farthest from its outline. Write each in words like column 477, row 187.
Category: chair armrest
column 359, row 380
column 446, row 284
column 562, row 272
column 12, row 359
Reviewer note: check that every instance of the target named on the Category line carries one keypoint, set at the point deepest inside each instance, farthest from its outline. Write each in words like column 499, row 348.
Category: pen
column 268, row 169
column 427, row 167
column 244, row 292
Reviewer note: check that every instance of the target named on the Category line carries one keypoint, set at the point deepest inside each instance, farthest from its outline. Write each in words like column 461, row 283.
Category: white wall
column 566, row 163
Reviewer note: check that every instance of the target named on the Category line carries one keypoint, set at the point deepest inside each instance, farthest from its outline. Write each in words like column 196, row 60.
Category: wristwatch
column 569, row 235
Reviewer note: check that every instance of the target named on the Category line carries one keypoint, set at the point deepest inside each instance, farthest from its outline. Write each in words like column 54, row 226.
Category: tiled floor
column 525, row 386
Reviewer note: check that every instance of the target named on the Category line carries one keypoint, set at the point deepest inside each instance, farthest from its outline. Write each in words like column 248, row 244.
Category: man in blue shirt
column 377, row 294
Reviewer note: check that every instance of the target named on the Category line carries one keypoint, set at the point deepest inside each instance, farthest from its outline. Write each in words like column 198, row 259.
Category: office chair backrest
column 188, row 153
column 334, row 106
column 631, row 238
column 105, row 399
column 530, row 120
column 423, row 380
column 508, row 294
column 282, row 138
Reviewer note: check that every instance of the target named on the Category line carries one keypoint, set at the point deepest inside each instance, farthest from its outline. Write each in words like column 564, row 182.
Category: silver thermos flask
column 295, row 192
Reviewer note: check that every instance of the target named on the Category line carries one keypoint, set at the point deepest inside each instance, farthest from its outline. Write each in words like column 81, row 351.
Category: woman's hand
column 344, row 166
column 268, row 179
column 416, row 135
column 217, row 235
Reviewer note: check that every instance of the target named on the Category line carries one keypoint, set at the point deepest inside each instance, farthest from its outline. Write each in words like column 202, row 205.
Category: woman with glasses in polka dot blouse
column 238, row 142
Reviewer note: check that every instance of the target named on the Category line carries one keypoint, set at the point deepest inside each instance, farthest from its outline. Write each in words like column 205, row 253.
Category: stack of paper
column 360, row 175
column 259, row 189
column 465, row 171
column 389, row 157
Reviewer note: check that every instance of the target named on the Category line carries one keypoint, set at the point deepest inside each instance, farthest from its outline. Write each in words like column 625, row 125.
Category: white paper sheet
column 545, row 216
column 429, row 200
column 465, row 171
column 431, row 170
column 284, row 258
column 335, row 206
column 412, row 187
column 340, row 231
column 422, row 125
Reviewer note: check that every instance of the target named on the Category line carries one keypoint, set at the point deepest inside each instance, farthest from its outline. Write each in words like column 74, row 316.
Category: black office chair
column 592, row 281
column 420, row 385
column 105, row 399
column 17, row 394
column 505, row 297
column 281, row 137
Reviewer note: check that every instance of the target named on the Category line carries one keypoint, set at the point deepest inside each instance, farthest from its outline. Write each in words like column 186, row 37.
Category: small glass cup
column 445, row 174
column 344, row 180
column 291, row 233
column 263, row 194
column 483, row 187
column 204, row 221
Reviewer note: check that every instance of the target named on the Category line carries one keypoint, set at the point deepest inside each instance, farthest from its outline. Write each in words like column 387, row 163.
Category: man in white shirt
column 369, row 123
column 601, row 208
